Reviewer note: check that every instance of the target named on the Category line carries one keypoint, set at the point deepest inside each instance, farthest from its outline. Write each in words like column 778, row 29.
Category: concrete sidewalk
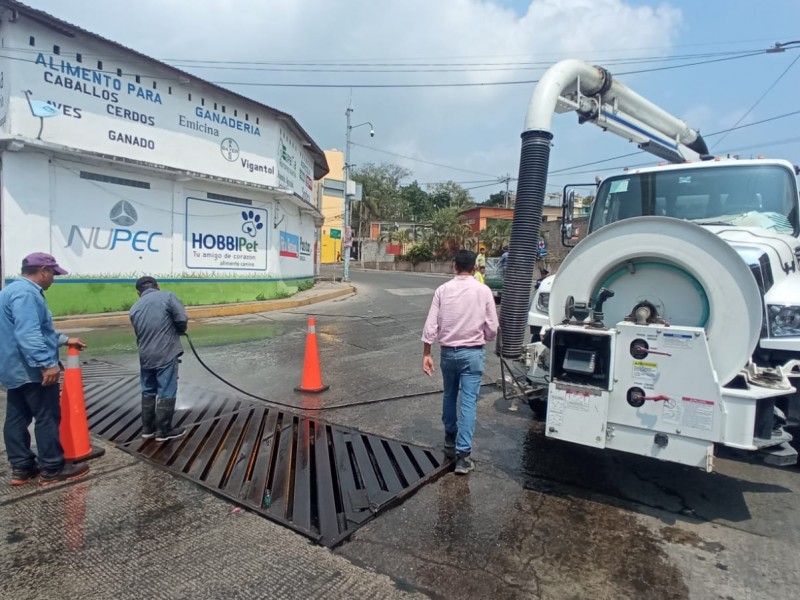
column 130, row 531
column 321, row 292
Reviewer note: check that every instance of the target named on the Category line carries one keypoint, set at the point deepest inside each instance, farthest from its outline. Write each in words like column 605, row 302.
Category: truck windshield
column 743, row 195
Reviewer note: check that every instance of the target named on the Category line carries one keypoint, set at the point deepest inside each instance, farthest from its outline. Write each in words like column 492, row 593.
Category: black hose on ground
column 295, row 407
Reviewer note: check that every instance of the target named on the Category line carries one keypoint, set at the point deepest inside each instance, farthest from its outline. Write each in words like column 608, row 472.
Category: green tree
column 447, row 233
column 496, row 236
column 450, row 194
column 382, row 198
column 418, row 202
column 496, row 199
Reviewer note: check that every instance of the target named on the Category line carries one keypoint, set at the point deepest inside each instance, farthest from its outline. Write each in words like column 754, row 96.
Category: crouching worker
column 158, row 320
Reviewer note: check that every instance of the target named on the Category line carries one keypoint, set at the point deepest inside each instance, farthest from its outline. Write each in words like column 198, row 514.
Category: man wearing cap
column 158, row 319
column 29, row 369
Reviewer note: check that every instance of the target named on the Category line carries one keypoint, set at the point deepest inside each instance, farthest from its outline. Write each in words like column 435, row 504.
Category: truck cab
column 751, row 204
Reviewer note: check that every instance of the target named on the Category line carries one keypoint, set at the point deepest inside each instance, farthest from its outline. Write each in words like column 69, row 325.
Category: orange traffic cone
column 312, row 378
column 74, row 430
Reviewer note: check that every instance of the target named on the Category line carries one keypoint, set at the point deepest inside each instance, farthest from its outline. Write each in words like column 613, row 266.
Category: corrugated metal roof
column 320, row 163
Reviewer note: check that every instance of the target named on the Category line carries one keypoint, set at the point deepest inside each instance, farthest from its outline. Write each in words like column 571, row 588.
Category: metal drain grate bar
column 315, row 477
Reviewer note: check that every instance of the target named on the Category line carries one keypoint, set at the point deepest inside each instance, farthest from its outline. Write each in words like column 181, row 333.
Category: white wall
column 102, row 230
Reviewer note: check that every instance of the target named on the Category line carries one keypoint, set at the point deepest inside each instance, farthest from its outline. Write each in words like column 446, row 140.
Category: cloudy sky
column 406, row 62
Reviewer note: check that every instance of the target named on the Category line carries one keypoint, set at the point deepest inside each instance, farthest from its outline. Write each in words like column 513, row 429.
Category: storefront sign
column 224, row 236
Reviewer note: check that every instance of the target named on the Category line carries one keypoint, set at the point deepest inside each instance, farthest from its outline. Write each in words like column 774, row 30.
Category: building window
column 115, row 180
column 215, row 106
column 119, row 72
column 138, row 79
column 99, row 65
column 154, row 85
column 31, row 41
column 79, row 57
column 190, row 97
column 202, row 101
column 257, row 121
column 235, row 113
column 169, row 90
column 246, row 117
column 234, row 199
column 223, row 108
column 56, row 50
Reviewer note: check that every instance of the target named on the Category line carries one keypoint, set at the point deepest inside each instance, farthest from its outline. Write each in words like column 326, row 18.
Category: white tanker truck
column 675, row 325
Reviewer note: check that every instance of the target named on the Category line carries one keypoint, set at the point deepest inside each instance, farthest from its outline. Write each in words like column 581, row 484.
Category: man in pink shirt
column 462, row 318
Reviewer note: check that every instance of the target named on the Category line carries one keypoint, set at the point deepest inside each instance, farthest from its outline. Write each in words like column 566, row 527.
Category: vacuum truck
column 674, row 326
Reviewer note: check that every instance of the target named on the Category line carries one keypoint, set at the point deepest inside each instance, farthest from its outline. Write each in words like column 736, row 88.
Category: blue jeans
column 161, row 382
column 41, row 404
column 462, row 370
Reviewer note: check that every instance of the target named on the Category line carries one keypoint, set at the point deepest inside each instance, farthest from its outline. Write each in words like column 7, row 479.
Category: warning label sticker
column 678, row 340
column 690, row 413
column 645, row 373
column 698, row 414
column 671, row 412
column 578, row 401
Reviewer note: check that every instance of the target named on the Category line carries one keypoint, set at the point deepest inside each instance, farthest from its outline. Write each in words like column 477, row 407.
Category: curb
column 204, row 312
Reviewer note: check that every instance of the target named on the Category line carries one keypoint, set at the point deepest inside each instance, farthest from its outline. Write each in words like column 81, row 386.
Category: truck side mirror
column 567, row 215
column 568, row 201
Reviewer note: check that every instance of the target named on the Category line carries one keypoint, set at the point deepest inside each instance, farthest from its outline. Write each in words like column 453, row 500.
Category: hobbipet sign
column 225, row 236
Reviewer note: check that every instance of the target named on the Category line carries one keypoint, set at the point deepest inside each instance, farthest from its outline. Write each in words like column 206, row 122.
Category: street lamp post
column 348, row 237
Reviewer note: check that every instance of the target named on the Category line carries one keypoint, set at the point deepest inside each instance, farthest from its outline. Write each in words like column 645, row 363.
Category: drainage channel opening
column 319, row 479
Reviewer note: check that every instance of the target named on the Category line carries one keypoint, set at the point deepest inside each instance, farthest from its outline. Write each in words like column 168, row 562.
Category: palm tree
column 497, row 235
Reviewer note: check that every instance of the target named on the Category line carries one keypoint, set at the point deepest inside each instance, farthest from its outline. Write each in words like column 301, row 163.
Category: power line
column 271, row 65
column 467, row 84
column 764, row 95
column 554, row 54
column 427, row 162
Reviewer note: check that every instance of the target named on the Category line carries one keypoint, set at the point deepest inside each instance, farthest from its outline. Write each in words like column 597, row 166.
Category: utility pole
column 348, row 233
column 508, row 179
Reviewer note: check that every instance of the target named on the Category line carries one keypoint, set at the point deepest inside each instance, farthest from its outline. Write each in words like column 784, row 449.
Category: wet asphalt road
column 538, row 518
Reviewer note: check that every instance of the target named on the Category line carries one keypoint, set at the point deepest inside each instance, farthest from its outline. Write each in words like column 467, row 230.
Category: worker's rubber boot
column 165, row 408
column 148, row 416
column 450, row 445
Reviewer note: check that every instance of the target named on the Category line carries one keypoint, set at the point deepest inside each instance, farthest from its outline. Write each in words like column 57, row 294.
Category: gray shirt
column 158, row 319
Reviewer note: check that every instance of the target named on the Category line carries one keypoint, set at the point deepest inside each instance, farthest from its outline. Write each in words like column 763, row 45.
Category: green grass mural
column 86, row 295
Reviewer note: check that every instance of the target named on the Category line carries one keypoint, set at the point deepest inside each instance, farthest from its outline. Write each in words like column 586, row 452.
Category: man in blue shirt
column 158, row 318
column 503, row 261
column 29, row 369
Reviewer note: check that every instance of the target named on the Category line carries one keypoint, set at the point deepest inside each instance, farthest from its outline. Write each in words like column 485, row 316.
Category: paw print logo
column 252, row 223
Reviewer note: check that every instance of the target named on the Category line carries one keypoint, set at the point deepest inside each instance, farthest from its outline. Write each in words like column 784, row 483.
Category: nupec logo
column 123, row 214
column 252, row 223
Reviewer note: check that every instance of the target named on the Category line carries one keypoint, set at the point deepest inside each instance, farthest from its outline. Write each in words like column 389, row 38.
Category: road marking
column 411, row 291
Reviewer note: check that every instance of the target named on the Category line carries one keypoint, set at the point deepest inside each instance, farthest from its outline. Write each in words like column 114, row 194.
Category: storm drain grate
column 317, row 478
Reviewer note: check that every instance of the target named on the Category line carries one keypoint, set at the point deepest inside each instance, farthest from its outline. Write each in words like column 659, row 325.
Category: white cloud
column 470, row 127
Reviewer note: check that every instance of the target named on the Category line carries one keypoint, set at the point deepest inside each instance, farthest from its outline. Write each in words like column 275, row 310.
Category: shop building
column 120, row 165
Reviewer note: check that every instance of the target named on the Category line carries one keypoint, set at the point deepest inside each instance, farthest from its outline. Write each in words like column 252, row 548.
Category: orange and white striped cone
column 74, row 429
column 312, row 377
